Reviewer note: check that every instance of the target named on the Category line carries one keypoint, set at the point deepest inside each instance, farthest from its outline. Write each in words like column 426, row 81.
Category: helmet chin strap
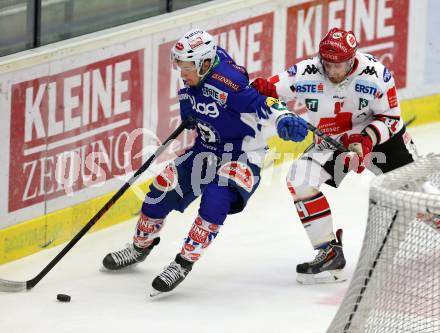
column 200, row 75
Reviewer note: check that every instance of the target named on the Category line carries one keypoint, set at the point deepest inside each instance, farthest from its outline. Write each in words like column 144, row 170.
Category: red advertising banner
column 249, row 42
column 74, row 129
column 381, row 28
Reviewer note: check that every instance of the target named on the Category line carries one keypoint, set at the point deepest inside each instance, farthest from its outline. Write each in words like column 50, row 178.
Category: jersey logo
column 341, row 123
column 368, row 88
column 312, row 104
column 207, row 133
column 226, row 81
column 369, row 71
column 207, row 109
column 363, row 103
column 309, row 87
column 311, row 69
column 386, row 75
column 292, row 70
column 392, row 97
column 219, row 95
column 183, row 96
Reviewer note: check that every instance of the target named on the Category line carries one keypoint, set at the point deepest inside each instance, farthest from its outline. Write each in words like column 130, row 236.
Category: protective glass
column 183, row 66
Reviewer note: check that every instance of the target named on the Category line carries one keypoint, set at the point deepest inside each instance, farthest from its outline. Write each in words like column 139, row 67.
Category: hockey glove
column 291, row 128
column 264, row 87
column 360, row 146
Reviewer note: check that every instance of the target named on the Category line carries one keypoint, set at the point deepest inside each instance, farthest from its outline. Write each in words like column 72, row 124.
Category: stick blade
column 9, row 286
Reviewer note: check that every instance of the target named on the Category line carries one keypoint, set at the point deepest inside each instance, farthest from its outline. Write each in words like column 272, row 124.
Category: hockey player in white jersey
column 351, row 97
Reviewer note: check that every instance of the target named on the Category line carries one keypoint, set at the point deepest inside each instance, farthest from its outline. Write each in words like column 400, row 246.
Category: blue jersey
column 231, row 115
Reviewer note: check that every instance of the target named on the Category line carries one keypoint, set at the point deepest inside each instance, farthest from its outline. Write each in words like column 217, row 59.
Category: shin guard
column 315, row 216
column 147, row 229
column 202, row 233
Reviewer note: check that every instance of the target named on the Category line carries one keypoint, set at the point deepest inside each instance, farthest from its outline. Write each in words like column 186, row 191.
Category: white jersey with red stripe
column 365, row 101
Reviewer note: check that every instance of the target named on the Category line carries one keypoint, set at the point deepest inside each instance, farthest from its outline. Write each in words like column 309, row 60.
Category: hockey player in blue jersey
column 223, row 166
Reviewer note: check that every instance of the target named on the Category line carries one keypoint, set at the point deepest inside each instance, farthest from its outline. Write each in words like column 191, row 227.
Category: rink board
column 120, row 80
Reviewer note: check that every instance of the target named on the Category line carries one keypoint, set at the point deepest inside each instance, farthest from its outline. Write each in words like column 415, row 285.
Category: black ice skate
column 326, row 267
column 128, row 256
column 172, row 276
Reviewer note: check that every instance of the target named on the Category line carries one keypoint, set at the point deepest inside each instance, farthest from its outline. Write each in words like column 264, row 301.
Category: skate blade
column 132, row 267
column 156, row 294
column 333, row 276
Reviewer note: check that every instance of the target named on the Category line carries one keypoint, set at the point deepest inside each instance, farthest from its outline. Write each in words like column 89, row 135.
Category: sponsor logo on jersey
column 207, row 132
column 292, row 70
column 226, row 81
column 183, row 96
column 311, row 69
column 309, row 87
column 392, row 97
column 341, row 123
column 368, row 88
column 207, row 109
column 211, row 91
column 363, row 103
column 312, row 104
column 386, row 75
column 369, row 71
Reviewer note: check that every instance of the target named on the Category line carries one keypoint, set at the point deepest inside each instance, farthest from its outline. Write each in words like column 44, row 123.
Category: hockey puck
column 63, row 298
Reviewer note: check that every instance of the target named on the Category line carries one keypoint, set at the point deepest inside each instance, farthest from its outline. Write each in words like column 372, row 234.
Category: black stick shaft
column 31, row 283
column 339, row 146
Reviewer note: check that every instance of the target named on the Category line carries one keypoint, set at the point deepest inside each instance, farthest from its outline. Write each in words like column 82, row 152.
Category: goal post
column 396, row 284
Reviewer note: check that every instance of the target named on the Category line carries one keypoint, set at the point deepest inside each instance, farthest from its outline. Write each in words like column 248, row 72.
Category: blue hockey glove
column 291, row 128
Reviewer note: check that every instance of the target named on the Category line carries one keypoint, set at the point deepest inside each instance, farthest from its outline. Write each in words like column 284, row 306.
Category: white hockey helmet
column 197, row 46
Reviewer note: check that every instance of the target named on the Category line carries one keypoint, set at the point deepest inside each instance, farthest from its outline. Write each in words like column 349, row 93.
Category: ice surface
column 244, row 283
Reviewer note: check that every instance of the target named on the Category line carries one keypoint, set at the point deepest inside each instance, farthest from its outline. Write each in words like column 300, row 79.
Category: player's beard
column 337, row 79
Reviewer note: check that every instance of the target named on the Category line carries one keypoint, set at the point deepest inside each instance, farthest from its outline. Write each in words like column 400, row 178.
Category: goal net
column 396, row 284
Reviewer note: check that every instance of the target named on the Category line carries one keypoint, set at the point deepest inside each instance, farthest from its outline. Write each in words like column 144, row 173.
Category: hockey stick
column 15, row 286
column 339, row 146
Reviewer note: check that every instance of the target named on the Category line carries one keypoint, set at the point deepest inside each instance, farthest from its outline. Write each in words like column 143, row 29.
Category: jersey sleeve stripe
column 386, row 116
column 376, row 131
